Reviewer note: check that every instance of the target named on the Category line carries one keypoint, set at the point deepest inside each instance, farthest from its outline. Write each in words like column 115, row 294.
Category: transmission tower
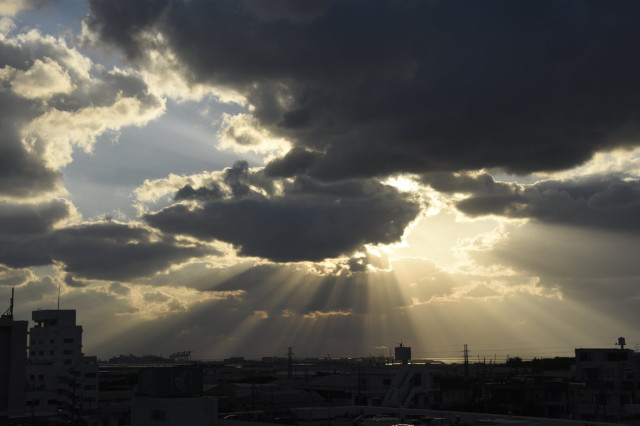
column 9, row 312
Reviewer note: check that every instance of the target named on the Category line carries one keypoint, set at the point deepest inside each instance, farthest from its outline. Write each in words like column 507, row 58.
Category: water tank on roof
column 403, row 353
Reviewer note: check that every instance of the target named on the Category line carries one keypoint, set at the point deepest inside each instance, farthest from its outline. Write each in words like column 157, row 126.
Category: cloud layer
column 305, row 220
column 369, row 89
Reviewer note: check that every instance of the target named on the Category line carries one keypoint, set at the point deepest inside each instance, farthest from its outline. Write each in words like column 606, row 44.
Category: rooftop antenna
column 9, row 312
column 621, row 342
column 58, row 296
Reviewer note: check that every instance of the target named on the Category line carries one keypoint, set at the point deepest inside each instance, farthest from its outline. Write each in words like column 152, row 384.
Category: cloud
column 44, row 79
column 409, row 87
column 14, row 277
column 590, row 269
column 315, row 315
column 119, row 289
column 604, row 202
column 242, row 133
column 564, row 251
column 308, row 220
column 104, row 251
column 11, row 7
column 27, row 219
column 23, row 174
column 53, row 99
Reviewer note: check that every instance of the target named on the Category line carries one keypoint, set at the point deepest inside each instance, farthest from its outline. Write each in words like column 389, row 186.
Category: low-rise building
column 611, row 380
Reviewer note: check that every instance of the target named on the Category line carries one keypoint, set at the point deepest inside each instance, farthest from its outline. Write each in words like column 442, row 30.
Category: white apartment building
column 611, row 380
column 61, row 381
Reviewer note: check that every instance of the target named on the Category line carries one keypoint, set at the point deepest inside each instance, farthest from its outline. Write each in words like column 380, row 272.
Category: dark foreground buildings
column 52, row 382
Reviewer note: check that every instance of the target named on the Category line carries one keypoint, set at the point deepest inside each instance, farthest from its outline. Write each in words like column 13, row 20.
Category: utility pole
column 466, row 361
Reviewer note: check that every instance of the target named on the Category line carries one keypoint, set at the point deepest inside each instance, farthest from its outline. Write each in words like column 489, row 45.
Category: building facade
column 61, row 381
column 13, row 360
column 611, row 380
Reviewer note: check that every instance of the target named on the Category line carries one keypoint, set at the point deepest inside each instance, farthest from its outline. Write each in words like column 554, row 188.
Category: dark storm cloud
column 235, row 182
column 482, row 183
column 309, row 221
column 373, row 88
column 607, row 202
column 187, row 192
column 25, row 219
column 71, row 281
column 107, row 251
column 22, row 173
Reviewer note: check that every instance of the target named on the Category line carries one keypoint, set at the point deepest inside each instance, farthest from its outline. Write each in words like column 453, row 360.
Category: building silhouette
column 61, row 381
column 13, row 358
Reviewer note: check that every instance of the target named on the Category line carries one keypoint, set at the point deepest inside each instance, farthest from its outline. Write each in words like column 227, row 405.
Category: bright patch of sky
column 54, row 17
column 183, row 142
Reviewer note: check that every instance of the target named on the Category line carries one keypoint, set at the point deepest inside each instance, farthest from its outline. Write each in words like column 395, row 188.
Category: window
column 52, row 401
column 89, row 387
column 417, row 379
column 68, row 340
column 607, row 374
column 67, row 362
column 68, row 352
column 89, row 375
column 616, row 356
column 158, row 415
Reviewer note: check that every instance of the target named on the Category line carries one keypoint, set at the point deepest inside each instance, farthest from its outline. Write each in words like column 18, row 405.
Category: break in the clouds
column 305, row 220
column 375, row 88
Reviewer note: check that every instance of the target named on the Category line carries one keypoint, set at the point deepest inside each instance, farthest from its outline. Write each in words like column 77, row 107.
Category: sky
column 239, row 177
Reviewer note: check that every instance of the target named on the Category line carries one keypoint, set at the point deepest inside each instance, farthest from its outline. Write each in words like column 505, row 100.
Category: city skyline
column 237, row 178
